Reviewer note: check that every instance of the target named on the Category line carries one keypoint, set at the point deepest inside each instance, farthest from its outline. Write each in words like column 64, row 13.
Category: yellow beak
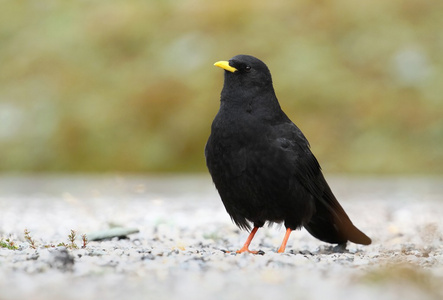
column 225, row 65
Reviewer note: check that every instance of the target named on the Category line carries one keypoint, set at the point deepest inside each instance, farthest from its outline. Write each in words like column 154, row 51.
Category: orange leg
column 245, row 247
column 285, row 240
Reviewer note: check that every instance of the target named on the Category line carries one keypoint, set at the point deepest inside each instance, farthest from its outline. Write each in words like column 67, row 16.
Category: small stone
column 119, row 232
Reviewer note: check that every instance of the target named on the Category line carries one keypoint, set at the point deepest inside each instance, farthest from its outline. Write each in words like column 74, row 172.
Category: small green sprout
column 84, row 240
column 28, row 238
column 9, row 244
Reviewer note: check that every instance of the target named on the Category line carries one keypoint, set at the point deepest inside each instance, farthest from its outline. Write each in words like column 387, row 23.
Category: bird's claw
column 259, row 252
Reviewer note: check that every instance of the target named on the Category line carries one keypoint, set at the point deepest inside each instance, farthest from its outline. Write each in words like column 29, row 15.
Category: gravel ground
column 183, row 233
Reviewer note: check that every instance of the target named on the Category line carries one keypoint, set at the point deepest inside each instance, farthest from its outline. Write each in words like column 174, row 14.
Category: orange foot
column 245, row 249
column 259, row 252
column 285, row 240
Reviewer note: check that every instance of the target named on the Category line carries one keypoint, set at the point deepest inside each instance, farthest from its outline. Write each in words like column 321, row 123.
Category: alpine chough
column 262, row 165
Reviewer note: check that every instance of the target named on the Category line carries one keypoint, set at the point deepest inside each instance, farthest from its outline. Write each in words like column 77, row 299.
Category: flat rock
column 116, row 232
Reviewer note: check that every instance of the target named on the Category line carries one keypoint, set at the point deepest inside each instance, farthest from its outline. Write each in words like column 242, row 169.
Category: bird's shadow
column 322, row 250
column 326, row 250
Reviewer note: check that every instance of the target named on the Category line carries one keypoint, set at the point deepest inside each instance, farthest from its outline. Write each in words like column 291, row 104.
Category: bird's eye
column 248, row 68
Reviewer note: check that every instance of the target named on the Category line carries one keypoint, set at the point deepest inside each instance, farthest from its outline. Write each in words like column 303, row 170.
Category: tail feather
column 331, row 224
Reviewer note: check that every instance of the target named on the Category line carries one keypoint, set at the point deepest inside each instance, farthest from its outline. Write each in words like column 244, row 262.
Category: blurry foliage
column 129, row 85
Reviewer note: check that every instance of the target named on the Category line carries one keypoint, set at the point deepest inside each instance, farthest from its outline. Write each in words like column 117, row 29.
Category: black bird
column 262, row 165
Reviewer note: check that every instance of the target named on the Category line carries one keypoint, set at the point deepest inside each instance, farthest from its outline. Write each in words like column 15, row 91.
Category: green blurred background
column 129, row 86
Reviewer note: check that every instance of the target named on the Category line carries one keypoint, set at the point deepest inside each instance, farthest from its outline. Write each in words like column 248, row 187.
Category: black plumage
column 262, row 165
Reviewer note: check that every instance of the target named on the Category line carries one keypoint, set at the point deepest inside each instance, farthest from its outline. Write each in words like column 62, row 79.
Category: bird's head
column 245, row 71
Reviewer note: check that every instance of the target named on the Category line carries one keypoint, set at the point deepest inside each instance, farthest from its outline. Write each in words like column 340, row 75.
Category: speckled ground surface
column 178, row 253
